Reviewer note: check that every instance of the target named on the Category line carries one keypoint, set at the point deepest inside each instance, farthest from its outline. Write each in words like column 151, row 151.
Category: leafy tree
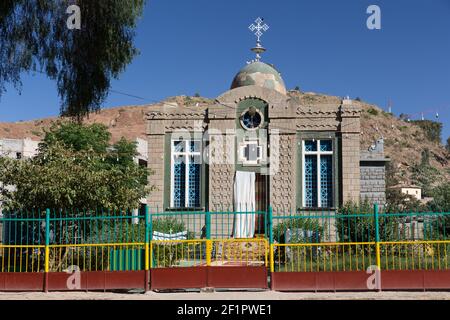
column 441, row 203
column 397, row 202
column 68, row 173
column 404, row 116
column 391, row 174
column 431, row 129
column 34, row 37
column 77, row 136
column 355, row 223
column 441, row 198
column 425, row 175
column 448, row 144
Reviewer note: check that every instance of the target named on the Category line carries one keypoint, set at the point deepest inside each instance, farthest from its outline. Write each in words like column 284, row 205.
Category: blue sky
column 322, row 46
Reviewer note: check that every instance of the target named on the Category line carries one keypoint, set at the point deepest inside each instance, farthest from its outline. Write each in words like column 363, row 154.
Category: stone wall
column 373, row 173
column 350, row 128
column 156, row 165
column 373, row 182
column 221, row 162
column 283, row 177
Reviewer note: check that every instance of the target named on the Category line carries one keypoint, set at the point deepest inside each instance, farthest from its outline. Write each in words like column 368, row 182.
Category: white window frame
column 318, row 154
column 186, row 154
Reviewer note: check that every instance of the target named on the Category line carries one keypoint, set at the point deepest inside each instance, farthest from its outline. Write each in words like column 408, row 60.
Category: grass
column 355, row 263
column 373, row 111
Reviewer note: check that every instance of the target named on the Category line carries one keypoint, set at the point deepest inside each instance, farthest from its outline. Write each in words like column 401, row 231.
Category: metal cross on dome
column 260, row 27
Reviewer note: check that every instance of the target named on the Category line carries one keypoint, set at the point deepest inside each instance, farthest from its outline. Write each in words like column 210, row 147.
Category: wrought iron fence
column 353, row 241
column 103, row 240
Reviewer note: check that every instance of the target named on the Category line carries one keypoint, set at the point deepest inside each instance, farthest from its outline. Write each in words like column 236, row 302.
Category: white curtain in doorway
column 244, row 201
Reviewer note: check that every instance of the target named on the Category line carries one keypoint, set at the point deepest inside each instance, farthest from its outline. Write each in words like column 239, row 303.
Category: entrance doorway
column 261, row 201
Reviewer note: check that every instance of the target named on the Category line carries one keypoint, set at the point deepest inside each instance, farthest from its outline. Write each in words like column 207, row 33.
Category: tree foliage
column 425, row 175
column 34, row 37
column 397, row 202
column 441, row 198
column 356, row 223
column 432, row 129
column 79, row 173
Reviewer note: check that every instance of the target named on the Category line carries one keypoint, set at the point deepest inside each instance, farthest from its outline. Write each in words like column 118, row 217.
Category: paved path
column 231, row 295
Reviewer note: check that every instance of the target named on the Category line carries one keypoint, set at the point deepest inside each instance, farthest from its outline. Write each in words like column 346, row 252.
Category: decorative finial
column 259, row 28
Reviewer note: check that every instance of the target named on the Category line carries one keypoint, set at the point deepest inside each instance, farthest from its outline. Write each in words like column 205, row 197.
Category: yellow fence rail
column 358, row 256
column 22, row 258
column 415, row 255
column 315, row 257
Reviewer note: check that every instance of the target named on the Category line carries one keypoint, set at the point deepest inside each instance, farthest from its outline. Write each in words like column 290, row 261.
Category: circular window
column 251, row 119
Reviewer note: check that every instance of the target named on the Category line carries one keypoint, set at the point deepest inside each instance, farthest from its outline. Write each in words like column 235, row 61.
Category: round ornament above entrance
column 251, row 119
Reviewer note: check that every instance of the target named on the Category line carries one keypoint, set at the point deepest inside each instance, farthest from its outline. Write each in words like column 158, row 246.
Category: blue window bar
column 326, row 181
column 318, row 174
column 179, row 182
column 194, row 183
column 310, row 181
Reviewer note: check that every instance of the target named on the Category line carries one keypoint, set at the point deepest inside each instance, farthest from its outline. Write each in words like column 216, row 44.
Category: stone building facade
column 306, row 156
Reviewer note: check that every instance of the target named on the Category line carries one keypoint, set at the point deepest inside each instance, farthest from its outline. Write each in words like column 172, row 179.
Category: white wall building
column 18, row 148
column 411, row 190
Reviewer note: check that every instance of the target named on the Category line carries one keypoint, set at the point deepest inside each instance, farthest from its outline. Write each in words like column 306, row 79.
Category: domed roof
column 260, row 74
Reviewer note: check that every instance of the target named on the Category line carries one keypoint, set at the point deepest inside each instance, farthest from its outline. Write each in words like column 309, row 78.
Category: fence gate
column 206, row 254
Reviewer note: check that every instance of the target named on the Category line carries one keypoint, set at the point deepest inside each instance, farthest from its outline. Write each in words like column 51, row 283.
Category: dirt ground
column 229, row 295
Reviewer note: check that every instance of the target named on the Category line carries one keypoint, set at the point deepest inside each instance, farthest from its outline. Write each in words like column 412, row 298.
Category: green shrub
column 441, row 203
column 372, row 111
column 356, row 223
column 307, row 224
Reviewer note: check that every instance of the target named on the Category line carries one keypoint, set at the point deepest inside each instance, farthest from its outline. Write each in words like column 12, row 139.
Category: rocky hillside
column 404, row 141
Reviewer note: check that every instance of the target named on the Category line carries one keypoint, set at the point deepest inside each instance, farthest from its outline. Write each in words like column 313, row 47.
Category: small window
column 18, row 155
column 185, row 174
column 318, row 173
